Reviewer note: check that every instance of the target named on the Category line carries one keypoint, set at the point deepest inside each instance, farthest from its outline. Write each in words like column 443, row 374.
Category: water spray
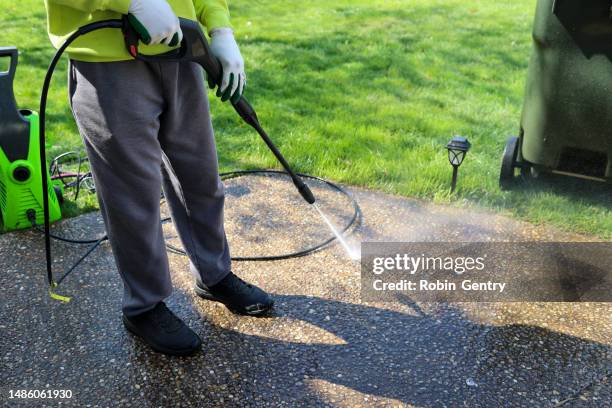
column 353, row 253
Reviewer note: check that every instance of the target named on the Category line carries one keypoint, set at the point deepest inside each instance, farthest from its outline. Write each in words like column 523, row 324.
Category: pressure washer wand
column 195, row 48
column 247, row 113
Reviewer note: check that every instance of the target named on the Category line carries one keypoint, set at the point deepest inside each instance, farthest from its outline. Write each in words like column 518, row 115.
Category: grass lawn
column 365, row 93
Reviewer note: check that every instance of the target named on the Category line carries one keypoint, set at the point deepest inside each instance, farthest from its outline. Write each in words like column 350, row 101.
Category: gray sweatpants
column 147, row 125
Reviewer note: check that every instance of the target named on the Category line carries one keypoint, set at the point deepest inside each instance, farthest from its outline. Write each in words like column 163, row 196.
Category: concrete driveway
column 322, row 346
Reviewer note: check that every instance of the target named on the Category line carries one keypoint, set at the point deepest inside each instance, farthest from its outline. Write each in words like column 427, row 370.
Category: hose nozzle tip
column 306, row 193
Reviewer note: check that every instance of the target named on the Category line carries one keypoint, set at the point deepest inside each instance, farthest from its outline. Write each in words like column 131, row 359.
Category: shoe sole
column 260, row 311
column 172, row 352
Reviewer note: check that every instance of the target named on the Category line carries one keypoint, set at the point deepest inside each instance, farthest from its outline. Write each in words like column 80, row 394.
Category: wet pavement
column 322, row 346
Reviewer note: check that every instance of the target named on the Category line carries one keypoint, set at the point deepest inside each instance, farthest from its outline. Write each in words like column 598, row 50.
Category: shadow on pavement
column 431, row 359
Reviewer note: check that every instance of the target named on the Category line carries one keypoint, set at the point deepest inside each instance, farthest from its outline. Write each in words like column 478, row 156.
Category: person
column 147, row 126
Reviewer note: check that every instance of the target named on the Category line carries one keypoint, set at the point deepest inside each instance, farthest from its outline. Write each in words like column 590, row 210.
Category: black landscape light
column 457, row 149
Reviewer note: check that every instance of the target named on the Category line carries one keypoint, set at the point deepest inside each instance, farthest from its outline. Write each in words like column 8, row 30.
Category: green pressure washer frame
column 21, row 197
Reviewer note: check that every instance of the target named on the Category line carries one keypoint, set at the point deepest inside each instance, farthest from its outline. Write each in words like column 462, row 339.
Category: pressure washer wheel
column 511, row 160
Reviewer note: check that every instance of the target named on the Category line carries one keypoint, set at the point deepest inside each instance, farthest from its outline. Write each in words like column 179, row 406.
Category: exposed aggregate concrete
column 322, row 346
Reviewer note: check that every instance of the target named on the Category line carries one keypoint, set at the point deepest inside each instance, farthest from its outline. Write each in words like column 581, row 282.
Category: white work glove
column 155, row 22
column 224, row 47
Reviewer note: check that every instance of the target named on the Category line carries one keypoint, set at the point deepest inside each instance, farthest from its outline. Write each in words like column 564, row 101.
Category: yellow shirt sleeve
column 212, row 13
column 119, row 6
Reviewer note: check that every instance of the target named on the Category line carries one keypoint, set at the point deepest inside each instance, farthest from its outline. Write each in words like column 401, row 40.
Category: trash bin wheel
column 507, row 177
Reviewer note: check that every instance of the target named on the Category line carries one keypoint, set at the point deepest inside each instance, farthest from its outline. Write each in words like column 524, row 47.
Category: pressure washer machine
column 567, row 113
column 21, row 196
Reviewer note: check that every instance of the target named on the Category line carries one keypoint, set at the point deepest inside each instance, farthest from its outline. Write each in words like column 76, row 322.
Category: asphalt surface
column 322, row 346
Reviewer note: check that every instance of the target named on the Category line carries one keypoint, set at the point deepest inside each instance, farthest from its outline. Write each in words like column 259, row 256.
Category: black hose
column 70, row 240
column 240, row 173
column 355, row 218
column 81, row 259
column 42, row 137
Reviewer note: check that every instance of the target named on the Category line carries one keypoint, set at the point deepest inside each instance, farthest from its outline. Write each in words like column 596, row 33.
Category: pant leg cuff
column 210, row 278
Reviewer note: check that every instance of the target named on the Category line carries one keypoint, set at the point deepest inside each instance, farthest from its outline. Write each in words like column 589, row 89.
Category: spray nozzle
column 305, row 192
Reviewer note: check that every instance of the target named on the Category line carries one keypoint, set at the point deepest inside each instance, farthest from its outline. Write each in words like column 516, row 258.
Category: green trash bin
column 566, row 122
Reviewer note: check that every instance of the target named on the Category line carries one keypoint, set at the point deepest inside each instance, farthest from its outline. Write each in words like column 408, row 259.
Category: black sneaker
column 237, row 295
column 163, row 331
